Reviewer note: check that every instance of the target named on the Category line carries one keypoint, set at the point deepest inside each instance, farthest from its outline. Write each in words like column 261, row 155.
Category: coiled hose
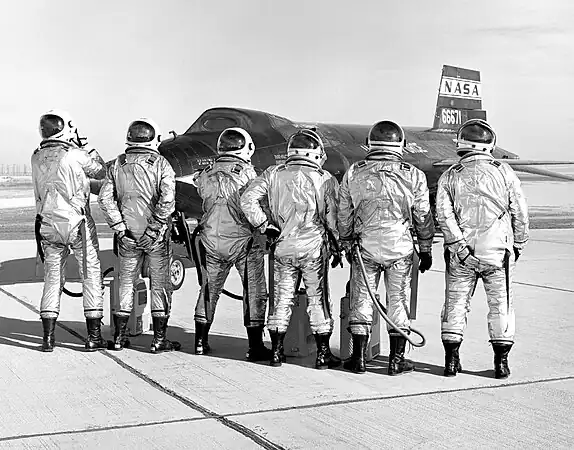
column 79, row 294
column 382, row 310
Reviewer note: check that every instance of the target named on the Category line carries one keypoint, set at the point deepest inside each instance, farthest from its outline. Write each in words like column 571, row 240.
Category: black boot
column 257, row 350
column 356, row 363
column 325, row 359
column 452, row 364
column 49, row 340
column 277, row 355
column 501, row 369
column 94, row 340
column 201, row 335
column 120, row 340
column 160, row 343
column 397, row 362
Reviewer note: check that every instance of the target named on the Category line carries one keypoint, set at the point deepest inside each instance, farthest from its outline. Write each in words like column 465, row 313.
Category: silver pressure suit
column 138, row 193
column 480, row 205
column 380, row 199
column 227, row 239
column 61, row 173
column 302, row 200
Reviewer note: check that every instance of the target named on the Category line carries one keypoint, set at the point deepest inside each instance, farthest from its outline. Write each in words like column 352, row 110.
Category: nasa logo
column 459, row 88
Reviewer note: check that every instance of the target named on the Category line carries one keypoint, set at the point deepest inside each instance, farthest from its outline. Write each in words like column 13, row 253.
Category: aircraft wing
column 524, row 165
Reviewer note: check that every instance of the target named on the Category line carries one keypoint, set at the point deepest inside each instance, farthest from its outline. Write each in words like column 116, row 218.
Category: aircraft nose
column 186, row 156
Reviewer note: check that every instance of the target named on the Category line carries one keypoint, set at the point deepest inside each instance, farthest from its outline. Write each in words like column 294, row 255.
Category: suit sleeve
column 165, row 205
column 421, row 212
column 518, row 209
column 345, row 212
column 330, row 197
column 255, row 192
column 92, row 163
column 37, row 197
column 107, row 199
column 453, row 236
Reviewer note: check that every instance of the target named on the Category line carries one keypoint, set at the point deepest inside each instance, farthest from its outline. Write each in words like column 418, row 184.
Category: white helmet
column 386, row 137
column 237, row 142
column 475, row 135
column 144, row 133
column 307, row 145
column 57, row 125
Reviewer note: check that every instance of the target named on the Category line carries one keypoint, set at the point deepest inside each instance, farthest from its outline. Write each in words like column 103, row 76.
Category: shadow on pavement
column 28, row 334
column 381, row 363
column 31, row 270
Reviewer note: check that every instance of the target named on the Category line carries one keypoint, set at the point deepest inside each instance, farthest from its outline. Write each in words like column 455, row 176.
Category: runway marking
column 221, row 417
column 540, row 286
column 399, row 396
column 553, row 241
column 108, row 428
column 224, row 418
column 247, row 432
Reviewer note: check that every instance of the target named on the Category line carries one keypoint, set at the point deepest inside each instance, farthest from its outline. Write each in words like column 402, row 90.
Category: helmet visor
column 140, row 132
column 231, row 140
column 50, row 125
column 478, row 133
column 304, row 140
column 385, row 133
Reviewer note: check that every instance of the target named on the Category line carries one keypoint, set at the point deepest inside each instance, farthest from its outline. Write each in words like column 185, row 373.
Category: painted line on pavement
column 399, row 396
column 92, row 429
column 223, row 418
column 245, row 431
column 540, row 286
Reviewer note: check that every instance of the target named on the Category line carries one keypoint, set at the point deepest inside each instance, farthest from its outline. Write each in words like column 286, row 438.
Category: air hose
column 197, row 264
column 79, row 294
column 382, row 310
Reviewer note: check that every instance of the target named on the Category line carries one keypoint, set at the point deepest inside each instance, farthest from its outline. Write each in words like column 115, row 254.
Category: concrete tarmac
column 134, row 399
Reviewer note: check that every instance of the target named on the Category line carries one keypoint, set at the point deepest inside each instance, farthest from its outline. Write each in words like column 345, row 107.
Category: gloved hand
column 466, row 258
column 337, row 259
column 347, row 247
column 127, row 238
column 148, row 239
column 425, row 261
column 272, row 232
column 517, row 253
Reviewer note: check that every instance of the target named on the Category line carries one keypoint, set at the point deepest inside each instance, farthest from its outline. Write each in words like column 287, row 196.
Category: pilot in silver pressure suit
column 227, row 239
column 381, row 198
column 483, row 215
column 302, row 201
column 138, row 199
column 61, row 173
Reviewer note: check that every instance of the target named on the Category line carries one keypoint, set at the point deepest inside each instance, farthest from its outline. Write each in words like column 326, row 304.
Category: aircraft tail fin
column 459, row 99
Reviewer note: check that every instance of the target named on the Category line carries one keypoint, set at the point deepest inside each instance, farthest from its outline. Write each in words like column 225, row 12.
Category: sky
column 108, row 62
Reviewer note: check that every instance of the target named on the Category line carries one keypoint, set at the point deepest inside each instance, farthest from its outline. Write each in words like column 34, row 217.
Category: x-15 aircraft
column 431, row 150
